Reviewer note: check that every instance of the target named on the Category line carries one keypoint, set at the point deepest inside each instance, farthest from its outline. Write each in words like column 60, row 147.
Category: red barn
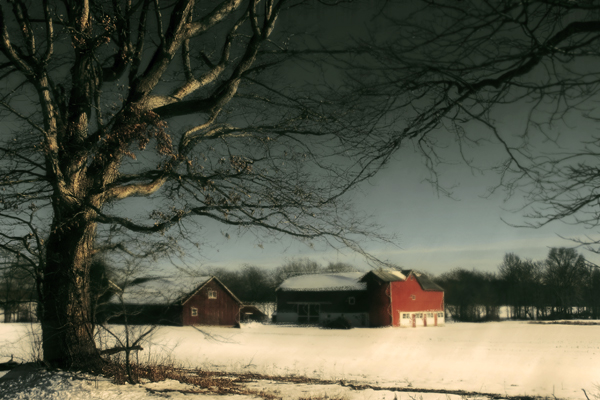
column 211, row 303
column 378, row 298
column 403, row 298
column 168, row 301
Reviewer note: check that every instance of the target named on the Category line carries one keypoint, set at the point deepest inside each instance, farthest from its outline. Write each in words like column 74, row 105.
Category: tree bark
column 67, row 322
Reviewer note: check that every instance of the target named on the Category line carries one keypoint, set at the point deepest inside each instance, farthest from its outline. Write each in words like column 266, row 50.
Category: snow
column 160, row 290
column 401, row 275
column 60, row 385
column 508, row 358
column 322, row 282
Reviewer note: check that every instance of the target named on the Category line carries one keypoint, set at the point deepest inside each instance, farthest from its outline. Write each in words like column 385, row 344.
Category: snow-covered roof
column 324, row 282
column 160, row 290
column 392, row 275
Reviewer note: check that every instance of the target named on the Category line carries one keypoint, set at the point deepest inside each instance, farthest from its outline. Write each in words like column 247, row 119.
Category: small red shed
column 186, row 301
column 403, row 298
column 211, row 303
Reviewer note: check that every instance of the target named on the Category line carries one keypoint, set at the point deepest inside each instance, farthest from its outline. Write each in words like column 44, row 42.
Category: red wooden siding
column 379, row 303
column 224, row 310
column 402, row 298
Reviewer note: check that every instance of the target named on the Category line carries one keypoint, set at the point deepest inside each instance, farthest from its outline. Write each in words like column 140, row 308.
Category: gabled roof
column 164, row 290
column 395, row 275
column 324, row 282
column 426, row 283
column 387, row 275
column 185, row 298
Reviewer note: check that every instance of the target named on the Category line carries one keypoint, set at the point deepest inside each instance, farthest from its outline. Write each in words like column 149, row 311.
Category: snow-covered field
column 508, row 358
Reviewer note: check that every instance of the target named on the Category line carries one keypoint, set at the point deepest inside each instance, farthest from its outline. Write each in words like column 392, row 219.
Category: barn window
column 308, row 313
column 430, row 315
column 212, row 294
column 419, row 315
column 194, row 311
column 413, row 297
column 441, row 314
column 405, row 316
column 351, row 301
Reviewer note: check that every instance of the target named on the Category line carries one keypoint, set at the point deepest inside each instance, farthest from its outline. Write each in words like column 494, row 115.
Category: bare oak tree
column 189, row 105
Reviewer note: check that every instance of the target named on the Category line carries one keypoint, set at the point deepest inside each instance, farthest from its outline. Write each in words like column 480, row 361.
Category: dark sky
column 433, row 233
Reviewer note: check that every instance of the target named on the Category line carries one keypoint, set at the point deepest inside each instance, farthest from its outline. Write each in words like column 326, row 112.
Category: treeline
column 253, row 284
column 563, row 286
column 17, row 291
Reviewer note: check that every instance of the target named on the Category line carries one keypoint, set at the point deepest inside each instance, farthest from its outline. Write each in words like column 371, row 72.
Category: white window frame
column 212, row 294
column 194, row 311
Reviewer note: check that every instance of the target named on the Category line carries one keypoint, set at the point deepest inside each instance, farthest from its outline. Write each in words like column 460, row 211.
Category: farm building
column 168, row 301
column 378, row 298
column 403, row 298
column 317, row 299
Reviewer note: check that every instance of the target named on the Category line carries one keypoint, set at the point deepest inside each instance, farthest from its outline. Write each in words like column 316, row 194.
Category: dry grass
column 205, row 382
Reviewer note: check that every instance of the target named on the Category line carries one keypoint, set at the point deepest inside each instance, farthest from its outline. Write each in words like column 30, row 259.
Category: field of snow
column 508, row 358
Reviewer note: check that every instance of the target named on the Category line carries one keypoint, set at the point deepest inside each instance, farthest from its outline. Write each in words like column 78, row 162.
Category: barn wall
column 379, row 303
column 223, row 310
column 330, row 301
column 331, row 305
column 421, row 318
column 423, row 301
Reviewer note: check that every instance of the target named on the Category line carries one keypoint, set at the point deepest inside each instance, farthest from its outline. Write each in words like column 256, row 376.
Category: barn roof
column 388, row 275
column 426, row 283
column 324, row 282
column 186, row 297
column 164, row 290
column 395, row 275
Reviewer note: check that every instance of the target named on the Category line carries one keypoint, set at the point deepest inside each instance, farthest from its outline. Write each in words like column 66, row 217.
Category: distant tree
column 295, row 267
column 250, row 283
column 593, row 294
column 522, row 285
column 340, row 267
column 470, row 295
column 17, row 291
column 566, row 277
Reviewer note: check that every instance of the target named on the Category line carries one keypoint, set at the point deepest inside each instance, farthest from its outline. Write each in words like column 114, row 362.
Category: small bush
column 338, row 323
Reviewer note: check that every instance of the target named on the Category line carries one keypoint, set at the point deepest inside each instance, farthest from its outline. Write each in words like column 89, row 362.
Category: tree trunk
column 68, row 339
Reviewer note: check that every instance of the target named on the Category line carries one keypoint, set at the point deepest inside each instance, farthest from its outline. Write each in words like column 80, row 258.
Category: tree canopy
column 193, row 106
